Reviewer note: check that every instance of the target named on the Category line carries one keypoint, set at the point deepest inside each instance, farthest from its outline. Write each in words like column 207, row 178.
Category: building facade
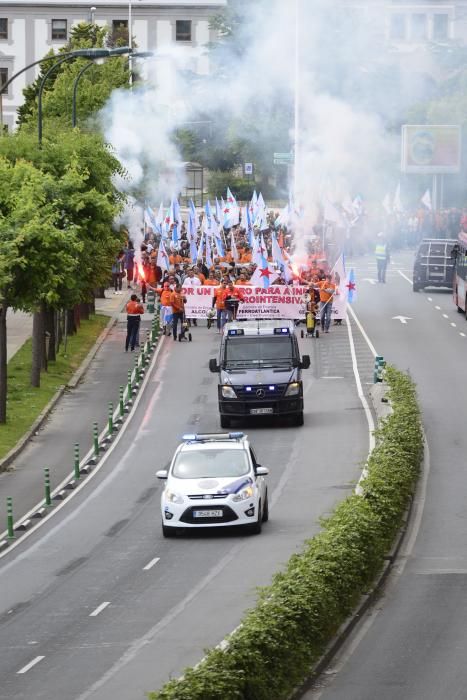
column 30, row 28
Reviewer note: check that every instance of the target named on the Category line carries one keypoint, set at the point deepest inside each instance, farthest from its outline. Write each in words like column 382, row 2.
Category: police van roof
column 263, row 327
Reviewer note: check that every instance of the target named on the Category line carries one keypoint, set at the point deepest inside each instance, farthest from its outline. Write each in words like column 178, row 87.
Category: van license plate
column 208, row 514
column 261, row 411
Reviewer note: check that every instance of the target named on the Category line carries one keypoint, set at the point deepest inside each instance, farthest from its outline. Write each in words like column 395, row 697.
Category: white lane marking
column 453, row 324
column 462, row 334
column 438, row 308
column 371, row 281
column 32, row 663
column 151, row 564
column 332, row 377
column 99, row 609
column 445, row 316
column 99, row 466
column 364, row 402
column 362, row 331
column 405, row 276
column 429, row 299
column 402, row 319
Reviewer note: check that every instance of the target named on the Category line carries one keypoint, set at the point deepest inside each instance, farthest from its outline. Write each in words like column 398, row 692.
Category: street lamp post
column 112, row 52
column 79, row 53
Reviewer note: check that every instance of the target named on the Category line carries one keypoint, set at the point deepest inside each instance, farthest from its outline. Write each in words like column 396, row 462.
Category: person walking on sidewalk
column 382, row 257
column 118, row 272
column 134, row 309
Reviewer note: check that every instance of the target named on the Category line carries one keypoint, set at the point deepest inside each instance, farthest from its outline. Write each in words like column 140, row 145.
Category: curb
column 48, row 408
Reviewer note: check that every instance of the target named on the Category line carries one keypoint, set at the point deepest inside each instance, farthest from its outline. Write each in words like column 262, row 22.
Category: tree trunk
column 84, row 311
column 92, row 305
column 37, row 347
column 99, row 292
column 70, row 322
column 51, row 330
column 3, row 362
column 77, row 316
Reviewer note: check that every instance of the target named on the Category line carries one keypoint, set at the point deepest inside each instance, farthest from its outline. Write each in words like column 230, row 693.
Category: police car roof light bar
column 195, row 437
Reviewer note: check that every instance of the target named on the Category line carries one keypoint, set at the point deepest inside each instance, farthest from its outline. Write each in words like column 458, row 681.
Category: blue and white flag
column 162, row 257
column 351, row 287
column 277, row 252
column 233, row 247
column 208, row 252
column 264, row 275
column 199, row 255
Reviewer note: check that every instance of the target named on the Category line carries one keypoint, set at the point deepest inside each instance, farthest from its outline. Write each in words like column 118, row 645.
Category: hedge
column 278, row 642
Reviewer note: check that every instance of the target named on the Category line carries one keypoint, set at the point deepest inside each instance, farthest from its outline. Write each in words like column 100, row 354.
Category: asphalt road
column 98, row 605
column 413, row 644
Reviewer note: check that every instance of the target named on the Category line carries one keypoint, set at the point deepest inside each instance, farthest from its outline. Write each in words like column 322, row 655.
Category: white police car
column 214, row 480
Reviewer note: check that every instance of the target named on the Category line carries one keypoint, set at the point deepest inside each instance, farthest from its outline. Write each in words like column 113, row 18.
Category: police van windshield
column 258, row 350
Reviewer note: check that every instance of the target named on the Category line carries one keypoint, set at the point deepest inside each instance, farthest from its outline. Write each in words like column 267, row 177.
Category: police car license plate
column 261, row 411
column 207, row 514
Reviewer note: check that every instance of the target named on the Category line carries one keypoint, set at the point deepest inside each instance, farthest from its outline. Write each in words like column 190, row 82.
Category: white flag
column 162, row 257
column 233, row 247
column 397, row 205
column 387, row 204
column 426, row 199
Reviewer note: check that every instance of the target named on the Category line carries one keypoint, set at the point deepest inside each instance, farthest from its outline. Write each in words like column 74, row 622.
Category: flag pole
column 297, row 104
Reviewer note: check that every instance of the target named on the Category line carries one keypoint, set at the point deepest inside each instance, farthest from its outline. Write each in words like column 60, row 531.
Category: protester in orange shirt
column 166, row 310
column 327, row 290
column 177, row 302
column 232, row 298
column 134, row 309
column 242, row 280
column 212, row 280
column 218, row 301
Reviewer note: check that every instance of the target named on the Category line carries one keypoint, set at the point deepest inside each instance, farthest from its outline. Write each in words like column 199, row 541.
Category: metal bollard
column 76, row 464
column 9, row 517
column 150, row 304
column 154, row 331
column 381, row 368
column 378, row 359
column 148, row 342
column 95, row 437
column 48, row 500
column 121, row 403
column 129, row 384
column 137, row 375
column 111, row 418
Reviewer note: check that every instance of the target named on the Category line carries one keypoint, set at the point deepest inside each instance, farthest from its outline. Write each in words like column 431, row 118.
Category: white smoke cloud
column 343, row 141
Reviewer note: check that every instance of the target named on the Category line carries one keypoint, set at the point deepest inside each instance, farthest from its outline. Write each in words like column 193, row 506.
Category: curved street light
column 112, row 52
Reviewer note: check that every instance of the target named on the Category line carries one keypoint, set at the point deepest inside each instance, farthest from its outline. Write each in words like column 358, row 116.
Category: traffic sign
column 248, row 168
column 283, row 158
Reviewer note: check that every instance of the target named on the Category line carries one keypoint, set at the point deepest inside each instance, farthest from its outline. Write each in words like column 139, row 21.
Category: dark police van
column 260, row 371
column 434, row 263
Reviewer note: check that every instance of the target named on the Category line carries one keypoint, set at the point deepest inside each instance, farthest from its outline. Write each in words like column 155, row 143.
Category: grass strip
column 24, row 402
column 278, row 642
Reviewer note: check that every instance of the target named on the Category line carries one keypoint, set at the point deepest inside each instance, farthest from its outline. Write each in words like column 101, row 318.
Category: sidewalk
column 72, row 419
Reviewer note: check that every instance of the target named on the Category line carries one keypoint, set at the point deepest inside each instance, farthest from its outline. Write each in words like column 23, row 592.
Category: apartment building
column 30, row 28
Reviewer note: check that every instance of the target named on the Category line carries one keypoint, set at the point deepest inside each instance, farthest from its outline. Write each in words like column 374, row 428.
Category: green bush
column 297, row 615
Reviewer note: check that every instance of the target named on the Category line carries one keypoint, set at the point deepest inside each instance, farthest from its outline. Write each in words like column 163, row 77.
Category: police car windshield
column 198, row 464
column 258, row 349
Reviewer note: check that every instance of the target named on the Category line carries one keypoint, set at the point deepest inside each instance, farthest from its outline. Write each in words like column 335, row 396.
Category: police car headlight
column 172, row 497
column 244, row 494
column 293, row 389
column 228, row 392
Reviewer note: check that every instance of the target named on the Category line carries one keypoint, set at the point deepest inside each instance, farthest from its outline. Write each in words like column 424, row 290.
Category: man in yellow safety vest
column 382, row 257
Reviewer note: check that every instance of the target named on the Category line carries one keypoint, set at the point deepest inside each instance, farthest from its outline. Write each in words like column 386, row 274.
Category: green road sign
column 283, row 158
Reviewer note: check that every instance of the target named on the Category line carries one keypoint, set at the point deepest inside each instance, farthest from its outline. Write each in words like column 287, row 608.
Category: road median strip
column 281, row 641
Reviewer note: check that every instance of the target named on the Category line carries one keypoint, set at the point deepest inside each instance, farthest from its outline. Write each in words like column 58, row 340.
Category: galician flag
column 234, row 208
column 233, row 247
column 264, row 275
column 426, row 200
column 162, row 257
column 199, row 255
column 351, row 287
column 208, row 251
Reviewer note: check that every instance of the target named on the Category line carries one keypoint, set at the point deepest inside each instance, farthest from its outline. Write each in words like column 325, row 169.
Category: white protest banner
column 276, row 302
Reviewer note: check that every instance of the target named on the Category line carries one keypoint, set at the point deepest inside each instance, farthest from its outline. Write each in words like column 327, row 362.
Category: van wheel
column 225, row 422
column 258, row 526
column 168, row 531
column 298, row 419
column 266, row 509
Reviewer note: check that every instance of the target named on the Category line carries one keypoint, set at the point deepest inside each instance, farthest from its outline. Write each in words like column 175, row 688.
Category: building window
column 397, row 28
column 119, row 35
column 59, row 29
column 183, row 30
column 3, row 28
column 440, row 26
column 3, row 80
column 418, row 29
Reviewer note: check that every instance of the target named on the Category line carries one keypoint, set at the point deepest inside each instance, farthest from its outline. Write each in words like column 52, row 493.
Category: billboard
column 430, row 149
